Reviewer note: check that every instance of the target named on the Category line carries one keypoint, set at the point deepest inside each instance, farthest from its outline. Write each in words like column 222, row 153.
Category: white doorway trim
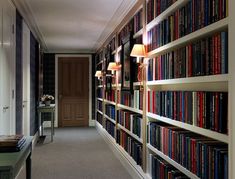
column 91, row 122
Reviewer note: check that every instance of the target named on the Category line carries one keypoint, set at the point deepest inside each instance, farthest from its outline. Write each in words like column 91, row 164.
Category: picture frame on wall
column 127, row 64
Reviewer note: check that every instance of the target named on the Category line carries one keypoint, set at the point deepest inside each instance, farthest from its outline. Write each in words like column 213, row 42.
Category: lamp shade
column 138, row 51
column 113, row 66
column 98, row 74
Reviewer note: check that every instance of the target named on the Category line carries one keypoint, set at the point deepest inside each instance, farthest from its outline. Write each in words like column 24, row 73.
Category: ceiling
column 73, row 26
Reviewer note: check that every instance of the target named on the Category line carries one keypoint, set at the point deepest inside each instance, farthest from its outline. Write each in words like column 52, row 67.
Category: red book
column 149, row 101
column 201, row 109
column 219, row 53
column 153, row 102
column 193, row 158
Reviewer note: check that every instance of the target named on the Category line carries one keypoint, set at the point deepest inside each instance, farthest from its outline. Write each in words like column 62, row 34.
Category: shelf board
column 100, row 86
column 99, row 112
column 130, row 108
column 199, row 79
column 215, row 27
column 139, row 33
column 172, row 162
column 99, row 63
column 138, row 84
column 131, row 160
column 110, row 119
column 119, row 148
column 178, row 4
column 131, row 134
column 119, row 48
column 109, row 102
column 100, row 99
column 113, row 52
column 205, row 132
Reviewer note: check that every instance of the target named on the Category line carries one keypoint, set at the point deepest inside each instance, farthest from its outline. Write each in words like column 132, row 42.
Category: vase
column 47, row 103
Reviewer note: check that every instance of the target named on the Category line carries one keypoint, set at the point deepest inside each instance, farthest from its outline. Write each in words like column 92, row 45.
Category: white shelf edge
column 99, row 63
column 100, row 86
column 130, row 108
column 119, row 148
column 221, row 24
column 205, row 132
column 166, row 13
column 109, row 102
column 172, row 162
column 119, row 48
column 130, row 133
column 113, row 52
column 188, row 80
column 139, row 33
column 100, row 99
column 106, row 132
column 130, row 159
column 110, row 119
column 138, row 84
column 99, row 111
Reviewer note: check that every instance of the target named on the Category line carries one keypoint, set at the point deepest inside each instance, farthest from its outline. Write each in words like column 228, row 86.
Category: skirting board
column 133, row 170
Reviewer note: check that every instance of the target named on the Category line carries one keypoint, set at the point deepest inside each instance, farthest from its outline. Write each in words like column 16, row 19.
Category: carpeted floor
column 76, row 153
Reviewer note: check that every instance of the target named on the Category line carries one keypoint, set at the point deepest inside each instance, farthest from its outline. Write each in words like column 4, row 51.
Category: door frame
column 26, row 80
column 57, row 56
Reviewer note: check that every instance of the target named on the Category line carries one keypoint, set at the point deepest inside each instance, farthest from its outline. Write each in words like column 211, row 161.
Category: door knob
column 5, row 108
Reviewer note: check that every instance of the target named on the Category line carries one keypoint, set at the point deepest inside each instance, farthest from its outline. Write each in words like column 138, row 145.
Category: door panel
column 73, row 91
column 7, row 68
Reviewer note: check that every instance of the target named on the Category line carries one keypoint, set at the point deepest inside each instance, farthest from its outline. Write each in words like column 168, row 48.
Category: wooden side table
column 46, row 109
column 11, row 163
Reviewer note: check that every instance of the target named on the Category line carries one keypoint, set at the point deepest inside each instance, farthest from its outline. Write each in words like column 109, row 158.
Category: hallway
column 76, row 153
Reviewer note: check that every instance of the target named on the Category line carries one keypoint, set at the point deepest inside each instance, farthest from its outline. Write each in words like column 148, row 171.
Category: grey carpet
column 75, row 153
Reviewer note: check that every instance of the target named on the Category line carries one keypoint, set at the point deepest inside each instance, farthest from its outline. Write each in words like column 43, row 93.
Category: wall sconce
column 138, row 51
column 113, row 66
column 98, row 74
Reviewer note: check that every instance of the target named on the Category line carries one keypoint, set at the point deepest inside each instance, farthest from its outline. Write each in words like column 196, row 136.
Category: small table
column 11, row 163
column 46, row 109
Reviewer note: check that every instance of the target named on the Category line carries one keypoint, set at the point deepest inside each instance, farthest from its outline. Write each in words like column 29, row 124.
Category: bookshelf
column 221, row 82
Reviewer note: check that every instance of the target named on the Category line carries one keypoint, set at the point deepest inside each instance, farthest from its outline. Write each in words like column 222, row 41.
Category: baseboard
column 134, row 170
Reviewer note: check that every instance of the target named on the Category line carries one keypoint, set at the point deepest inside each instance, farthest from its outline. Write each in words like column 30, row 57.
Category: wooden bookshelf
column 130, row 133
column 219, row 82
column 204, row 32
column 205, row 132
column 130, row 108
column 112, row 120
column 172, row 162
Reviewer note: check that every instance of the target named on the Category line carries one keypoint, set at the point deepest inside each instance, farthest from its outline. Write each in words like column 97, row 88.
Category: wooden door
column 73, row 84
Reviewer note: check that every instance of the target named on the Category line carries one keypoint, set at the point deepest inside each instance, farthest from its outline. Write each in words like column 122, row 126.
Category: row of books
column 12, row 143
column 156, row 7
column 99, row 105
column 131, row 146
column 204, row 157
column 110, row 95
column 131, row 121
column 195, row 15
column 208, row 56
column 162, row 169
column 204, row 109
column 110, row 128
column 138, row 20
column 112, row 44
column 129, row 27
column 132, row 100
column 99, row 93
column 99, row 118
column 110, row 111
